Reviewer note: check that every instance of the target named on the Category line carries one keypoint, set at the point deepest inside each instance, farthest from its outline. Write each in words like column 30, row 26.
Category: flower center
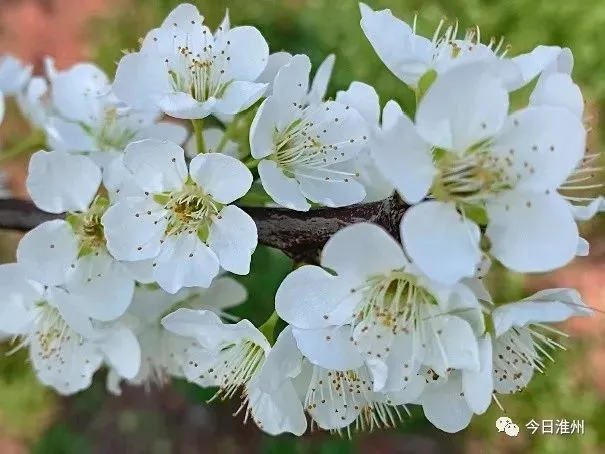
column 520, row 351
column 470, row 179
column 348, row 396
column 393, row 301
column 235, row 366
column 199, row 75
column 113, row 135
column 52, row 332
column 190, row 209
column 88, row 227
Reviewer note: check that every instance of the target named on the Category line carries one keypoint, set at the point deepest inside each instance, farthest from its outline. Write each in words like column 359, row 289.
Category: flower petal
column 364, row 99
column 123, row 352
column 319, row 86
column 440, row 242
column 541, row 145
column 332, row 192
column 558, row 90
column 545, row 306
column 131, row 232
column 18, row 298
column 185, row 261
column 409, row 168
column 463, row 107
column 281, row 189
column 238, row 96
column 444, row 407
column 105, row 290
column 531, row 232
column 330, row 348
column 347, row 252
column 233, row 238
column 47, row 252
column 292, row 81
column 157, row 166
column 478, row 386
column 246, row 53
column 223, row 177
column 138, row 92
column 277, row 411
column 310, row 297
column 58, row 182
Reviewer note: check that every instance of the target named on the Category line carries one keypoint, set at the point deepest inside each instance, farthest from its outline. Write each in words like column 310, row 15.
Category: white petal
column 119, row 181
column 363, row 98
column 185, row 262
column 440, row 242
column 47, row 252
column 583, row 248
column 276, row 62
column 18, row 298
column 123, row 352
column 141, row 92
column 192, row 323
column 78, row 93
column 164, row 130
column 238, row 96
column 587, row 212
column 546, row 306
column 531, row 232
column 223, row 177
column 292, row 81
column 395, row 44
column 224, row 293
column 330, row 348
column 547, row 144
column 262, row 128
column 184, row 106
column 478, row 386
column 283, row 362
column 558, row 90
column 310, row 297
column 67, row 136
column 13, row 74
column 408, row 167
column 281, row 189
column 319, row 86
column 132, row 233
column 247, row 50
column 444, row 407
column 105, row 289
column 233, row 238
column 332, row 193
column 451, row 343
column 462, row 107
column 277, row 411
column 60, row 182
column 157, row 166
column 347, row 252
column 541, row 58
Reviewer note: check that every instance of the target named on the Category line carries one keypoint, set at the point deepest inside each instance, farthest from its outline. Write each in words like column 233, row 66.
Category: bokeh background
column 176, row 419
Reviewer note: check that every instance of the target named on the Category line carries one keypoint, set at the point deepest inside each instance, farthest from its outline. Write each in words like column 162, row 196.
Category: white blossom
column 191, row 73
column 66, row 346
column 181, row 226
column 410, row 56
column 379, row 311
column 471, row 157
column 301, row 141
column 162, row 351
column 14, row 74
column 91, row 120
column 235, row 356
column 521, row 336
column 363, row 98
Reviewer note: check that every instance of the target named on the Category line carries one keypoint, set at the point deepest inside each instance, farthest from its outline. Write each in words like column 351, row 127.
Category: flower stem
column 199, row 135
column 268, row 328
column 35, row 140
column 229, row 133
column 251, row 163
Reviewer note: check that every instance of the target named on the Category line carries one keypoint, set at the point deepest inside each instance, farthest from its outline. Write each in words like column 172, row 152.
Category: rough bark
column 300, row 235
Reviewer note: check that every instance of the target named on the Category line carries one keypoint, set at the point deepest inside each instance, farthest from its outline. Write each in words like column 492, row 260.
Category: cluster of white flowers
column 134, row 276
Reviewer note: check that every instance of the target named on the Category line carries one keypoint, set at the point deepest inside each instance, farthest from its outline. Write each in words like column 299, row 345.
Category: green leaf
column 425, row 82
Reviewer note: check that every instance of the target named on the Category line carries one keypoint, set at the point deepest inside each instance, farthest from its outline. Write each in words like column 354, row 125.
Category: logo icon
column 506, row 425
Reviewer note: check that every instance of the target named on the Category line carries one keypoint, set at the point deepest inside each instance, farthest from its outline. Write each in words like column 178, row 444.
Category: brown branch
column 300, row 235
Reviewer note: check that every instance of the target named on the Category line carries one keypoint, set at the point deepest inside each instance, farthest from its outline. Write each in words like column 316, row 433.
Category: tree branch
column 300, row 235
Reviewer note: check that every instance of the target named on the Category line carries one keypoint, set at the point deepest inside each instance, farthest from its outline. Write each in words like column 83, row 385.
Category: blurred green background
column 176, row 420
